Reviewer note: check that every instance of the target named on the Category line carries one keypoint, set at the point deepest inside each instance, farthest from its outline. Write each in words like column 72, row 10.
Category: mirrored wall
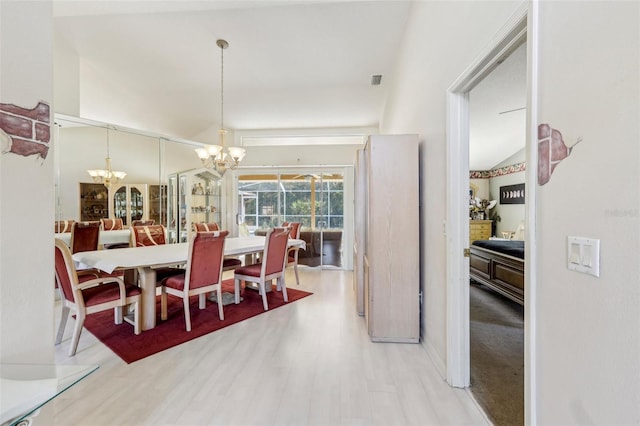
column 146, row 158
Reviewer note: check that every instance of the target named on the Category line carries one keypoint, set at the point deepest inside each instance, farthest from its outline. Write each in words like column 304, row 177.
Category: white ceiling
column 289, row 64
column 497, row 115
column 155, row 66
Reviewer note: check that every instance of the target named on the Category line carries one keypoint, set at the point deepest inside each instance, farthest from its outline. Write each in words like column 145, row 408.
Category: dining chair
column 228, row 263
column 148, row 235
column 111, row 224
column 143, row 222
column 63, row 226
column 153, row 235
column 274, row 262
column 88, row 296
column 292, row 252
column 202, row 275
column 85, row 236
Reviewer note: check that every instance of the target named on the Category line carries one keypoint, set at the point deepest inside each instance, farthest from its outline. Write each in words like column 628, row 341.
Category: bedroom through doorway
column 497, row 164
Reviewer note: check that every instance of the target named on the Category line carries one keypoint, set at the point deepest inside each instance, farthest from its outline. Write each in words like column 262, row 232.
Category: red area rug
column 172, row 332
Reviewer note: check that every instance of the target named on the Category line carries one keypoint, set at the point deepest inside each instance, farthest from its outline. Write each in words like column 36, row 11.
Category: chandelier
column 219, row 157
column 106, row 176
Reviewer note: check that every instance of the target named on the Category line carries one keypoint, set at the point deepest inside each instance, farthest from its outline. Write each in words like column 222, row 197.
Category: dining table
column 146, row 259
column 118, row 236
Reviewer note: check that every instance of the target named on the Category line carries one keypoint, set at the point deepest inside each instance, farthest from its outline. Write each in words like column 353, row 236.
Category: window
column 315, row 200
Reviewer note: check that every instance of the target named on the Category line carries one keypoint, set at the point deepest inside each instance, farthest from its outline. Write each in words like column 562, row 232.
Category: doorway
column 315, row 198
column 520, row 27
column 497, row 140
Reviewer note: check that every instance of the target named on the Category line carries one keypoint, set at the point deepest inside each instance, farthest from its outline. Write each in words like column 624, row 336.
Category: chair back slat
column 143, row 222
column 85, row 236
column 295, row 229
column 63, row 226
column 206, row 227
column 204, row 266
column 276, row 250
column 111, row 224
column 143, row 236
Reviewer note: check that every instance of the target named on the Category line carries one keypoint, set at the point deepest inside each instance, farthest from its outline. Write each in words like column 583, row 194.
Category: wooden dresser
column 479, row 230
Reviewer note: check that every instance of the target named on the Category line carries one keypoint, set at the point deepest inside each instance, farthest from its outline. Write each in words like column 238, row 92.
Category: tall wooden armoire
column 391, row 258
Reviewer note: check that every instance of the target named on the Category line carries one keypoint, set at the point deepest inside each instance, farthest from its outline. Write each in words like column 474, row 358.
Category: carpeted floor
column 497, row 355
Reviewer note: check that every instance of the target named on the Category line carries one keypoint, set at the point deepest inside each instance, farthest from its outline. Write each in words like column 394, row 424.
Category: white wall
column 588, row 329
column 26, row 192
column 511, row 214
column 442, row 39
column 66, row 73
column 587, row 334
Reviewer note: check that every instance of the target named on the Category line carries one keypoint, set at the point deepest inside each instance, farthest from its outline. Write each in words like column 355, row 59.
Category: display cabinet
column 158, row 204
column 129, row 202
column 94, row 202
column 194, row 196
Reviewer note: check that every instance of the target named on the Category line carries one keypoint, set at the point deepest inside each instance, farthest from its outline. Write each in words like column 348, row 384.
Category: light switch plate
column 583, row 255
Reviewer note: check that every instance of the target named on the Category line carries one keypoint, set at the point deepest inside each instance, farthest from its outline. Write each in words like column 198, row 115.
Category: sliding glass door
column 314, row 199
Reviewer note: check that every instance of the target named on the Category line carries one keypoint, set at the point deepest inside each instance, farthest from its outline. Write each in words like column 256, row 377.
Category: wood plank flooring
column 309, row 363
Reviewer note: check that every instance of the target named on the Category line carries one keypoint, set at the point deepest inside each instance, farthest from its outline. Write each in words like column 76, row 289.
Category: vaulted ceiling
column 155, row 66
column 300, row 64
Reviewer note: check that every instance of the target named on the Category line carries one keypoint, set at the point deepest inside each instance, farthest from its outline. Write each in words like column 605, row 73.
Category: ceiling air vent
column 376, row 79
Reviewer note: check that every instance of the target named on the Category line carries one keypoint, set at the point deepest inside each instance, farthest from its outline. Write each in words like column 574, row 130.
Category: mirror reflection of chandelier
column 106, row 176
column 219, row 157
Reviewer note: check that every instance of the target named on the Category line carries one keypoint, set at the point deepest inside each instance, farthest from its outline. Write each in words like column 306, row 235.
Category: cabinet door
column 172, row 209
column 94, row 202
column 204, row 201
column 158, row 204
column 182, row 209
column 120, row 204
column 136, row 204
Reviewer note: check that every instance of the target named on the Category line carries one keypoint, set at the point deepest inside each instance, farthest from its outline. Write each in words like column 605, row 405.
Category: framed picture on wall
column 512, row 194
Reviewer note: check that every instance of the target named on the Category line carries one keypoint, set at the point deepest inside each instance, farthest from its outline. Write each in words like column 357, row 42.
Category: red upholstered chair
column 63, row 226
column 90, row 296
column 85, row 236
column 292, row 252
column 143, row 222
column 111, row 224
column 272, row 267
column 152, row 235
column 229, row 263
column 203, row 274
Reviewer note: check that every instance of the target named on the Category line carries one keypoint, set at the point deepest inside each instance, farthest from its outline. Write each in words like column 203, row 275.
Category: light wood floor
column 308, row 363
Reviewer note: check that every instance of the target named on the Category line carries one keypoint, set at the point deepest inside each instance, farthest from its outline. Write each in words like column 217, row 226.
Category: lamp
column 219, row 157
column 106, row 176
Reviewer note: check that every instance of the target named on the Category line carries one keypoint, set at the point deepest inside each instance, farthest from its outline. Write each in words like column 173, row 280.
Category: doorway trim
column 521, row 25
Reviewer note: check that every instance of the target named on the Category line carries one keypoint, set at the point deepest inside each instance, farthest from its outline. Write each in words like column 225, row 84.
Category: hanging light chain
column 222, row 47
column 108, row 152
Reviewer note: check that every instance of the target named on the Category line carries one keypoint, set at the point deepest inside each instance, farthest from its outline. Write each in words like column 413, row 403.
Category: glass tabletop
column 24, row 388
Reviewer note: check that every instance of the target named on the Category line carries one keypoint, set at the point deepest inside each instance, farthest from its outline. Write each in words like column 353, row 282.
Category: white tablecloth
column 106, row 237
column 162, row 255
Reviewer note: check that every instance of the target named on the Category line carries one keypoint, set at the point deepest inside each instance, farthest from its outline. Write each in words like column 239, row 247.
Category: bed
column 499, row 264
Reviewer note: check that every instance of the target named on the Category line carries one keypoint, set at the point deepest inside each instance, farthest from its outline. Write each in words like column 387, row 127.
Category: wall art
column 512, row 194
column 25, row 131
column 551, row 151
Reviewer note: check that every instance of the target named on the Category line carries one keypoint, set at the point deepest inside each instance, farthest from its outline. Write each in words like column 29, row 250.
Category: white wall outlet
column 583, row 255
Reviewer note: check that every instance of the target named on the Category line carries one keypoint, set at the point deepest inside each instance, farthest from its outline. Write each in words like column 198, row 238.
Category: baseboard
column 439, row 363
